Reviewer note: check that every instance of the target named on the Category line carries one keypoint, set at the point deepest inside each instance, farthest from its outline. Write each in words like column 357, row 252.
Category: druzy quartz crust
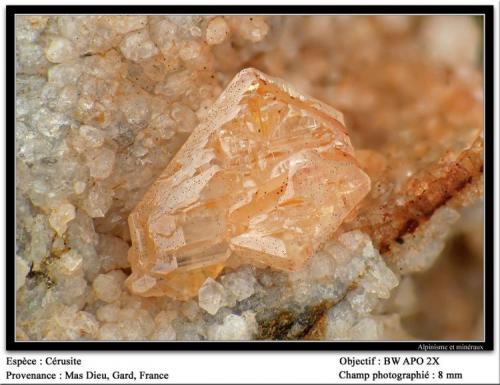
column 263, row 180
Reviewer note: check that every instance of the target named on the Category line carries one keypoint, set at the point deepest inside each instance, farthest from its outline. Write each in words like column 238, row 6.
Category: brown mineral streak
column 289, row 325
column 398, row 221
column 239, row 190
column 448, row 189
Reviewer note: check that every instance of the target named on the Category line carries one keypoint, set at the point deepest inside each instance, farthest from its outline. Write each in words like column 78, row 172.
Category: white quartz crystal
column 41, row 239
column 101, row 163
column 89, row 137
column 234, row 327
column 125, row 24
column 71, row 262
column 61, row 216
column 138, row 46
column 241, row 284
column 22, row 269
column 190, row 310
column 97, row 202
column 164, row 330
column 61, row 50
column 108, row 287
column 211, row 296
column 217, row 31
column 109, row 312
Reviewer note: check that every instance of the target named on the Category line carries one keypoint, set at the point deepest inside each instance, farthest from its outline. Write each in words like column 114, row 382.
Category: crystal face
column 264, row 180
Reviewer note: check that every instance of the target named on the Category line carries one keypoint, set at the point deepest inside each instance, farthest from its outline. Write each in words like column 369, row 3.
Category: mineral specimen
column 264, row 180
column 93, row 88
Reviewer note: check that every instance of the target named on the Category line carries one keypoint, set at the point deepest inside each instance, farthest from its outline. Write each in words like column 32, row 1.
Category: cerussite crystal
column 264, row 180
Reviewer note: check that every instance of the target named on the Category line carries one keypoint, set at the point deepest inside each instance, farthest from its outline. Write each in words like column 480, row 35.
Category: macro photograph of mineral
column 249, row 177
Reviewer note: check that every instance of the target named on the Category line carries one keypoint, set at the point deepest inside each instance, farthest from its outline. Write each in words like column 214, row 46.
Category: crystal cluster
column 263, row 180
column 103, row 104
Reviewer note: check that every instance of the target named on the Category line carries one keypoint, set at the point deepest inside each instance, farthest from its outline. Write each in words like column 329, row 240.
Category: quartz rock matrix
column 104, row 104
column 265, row 179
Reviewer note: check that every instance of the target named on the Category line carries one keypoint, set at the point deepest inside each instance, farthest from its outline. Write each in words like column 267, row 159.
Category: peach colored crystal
column 264, row 180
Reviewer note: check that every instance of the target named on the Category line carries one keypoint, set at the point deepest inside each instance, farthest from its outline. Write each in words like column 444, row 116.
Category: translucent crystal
column 71, row 290
column 217, row 31
column 252, row 28
column 365, row 330
column 125, row 24
column 49, row 123
column 211, row 296
column 138, row 46
column 41, row 240
column 71, row 262
column 234, row 328
column 110, row 312
column 28, row 28
column 113, row 252
column 88, row 137
column 164, row 330
column 60, row 217
column 30, row 59
column 60, row 50
column 163, row 33
column 97, row 202
column 64, row 74
column 190, row 51
column 190, row 310
column 101, row 163
column 265, row 179
column 184, row 117
column 111, row 331
column 241, row 283
column 22, row 270
column 76, row 324
column 108, row 287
